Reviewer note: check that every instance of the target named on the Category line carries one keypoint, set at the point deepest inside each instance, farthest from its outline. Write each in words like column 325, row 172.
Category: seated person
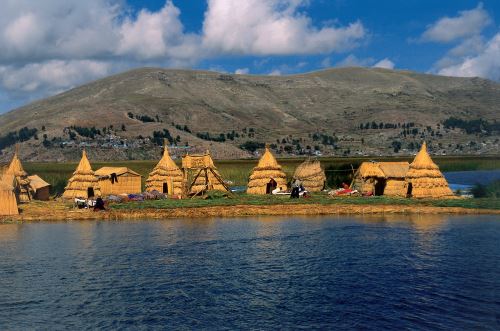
column 99, row 205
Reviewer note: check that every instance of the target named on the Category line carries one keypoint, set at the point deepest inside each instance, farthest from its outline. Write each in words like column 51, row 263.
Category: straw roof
column 383, row 169
column 166, row 172
column 8, row 202
column 267, row 169
column 394, row 169
column 425, row 178
column 311, row 175
column 83, row 179
column 108, row 171
column 370, row 169
column 22, row 182
column 36, row 182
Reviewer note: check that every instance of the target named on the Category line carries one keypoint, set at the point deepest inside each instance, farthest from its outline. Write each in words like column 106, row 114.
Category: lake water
column 421, row 272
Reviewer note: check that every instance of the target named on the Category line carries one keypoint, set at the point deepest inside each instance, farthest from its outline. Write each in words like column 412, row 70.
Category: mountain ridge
column 291, row 110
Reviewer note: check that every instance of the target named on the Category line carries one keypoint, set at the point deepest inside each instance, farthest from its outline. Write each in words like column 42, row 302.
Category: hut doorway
column 165, row 188
column 410, row 189
column 380, row 186
column 271, row 186
column 90, row 192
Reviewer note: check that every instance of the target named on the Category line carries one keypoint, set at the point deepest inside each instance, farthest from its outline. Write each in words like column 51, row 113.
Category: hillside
column 345, row 111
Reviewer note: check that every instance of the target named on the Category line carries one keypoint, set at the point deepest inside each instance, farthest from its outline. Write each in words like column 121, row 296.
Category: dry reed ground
column 252, row 206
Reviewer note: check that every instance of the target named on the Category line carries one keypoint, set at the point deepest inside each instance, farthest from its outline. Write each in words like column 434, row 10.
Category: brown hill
column 321, row 109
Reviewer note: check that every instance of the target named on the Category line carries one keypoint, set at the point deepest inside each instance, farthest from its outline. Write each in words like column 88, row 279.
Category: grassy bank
column 318, row 199
column 237, row 171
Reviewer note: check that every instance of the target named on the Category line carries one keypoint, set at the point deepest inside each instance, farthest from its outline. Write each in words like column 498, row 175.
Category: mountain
column 327, row 111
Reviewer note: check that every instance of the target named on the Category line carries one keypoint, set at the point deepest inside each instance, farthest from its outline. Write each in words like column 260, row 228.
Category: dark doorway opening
column 165, row 188
column 409, row 192
column 380, row 187
column 90, row 192
column 271, row 186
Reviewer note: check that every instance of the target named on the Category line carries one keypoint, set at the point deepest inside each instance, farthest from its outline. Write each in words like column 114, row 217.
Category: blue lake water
column 387, row 273
column 472, row 177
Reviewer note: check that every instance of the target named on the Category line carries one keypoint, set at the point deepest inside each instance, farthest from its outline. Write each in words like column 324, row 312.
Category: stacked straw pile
column 83, row 179
column 200, row 184
column 267, row 169
column 22, row 186
column 425, row 178
column 8, row 202
column 166, row 172
column 311, row 175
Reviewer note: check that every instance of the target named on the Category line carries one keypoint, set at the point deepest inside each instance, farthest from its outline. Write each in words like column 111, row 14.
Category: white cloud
column 485, row 64
column 275, row 72
column 326, row 62
column 468, row 23
column 55, row 74
column 157, row 35
column 271, row 27
column 385, row 63
column 353, row 61
column 52, row 45
column 242, row 71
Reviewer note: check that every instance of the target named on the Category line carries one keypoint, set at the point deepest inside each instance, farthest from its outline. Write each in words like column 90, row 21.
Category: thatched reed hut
column 118, row 180
column 166, row 176
column 381, row 178
column 424, row 178
column 8, row 201
column 395, row 173
column 40, row 187
column 22, row 187
column 206, row 176
column 267, row 175
column 311, row 175
column 84, row 183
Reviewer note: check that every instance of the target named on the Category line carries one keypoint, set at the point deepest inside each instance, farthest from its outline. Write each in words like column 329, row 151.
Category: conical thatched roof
column 200, row 184
column 425, row 178
column 22, row 182
column 8, row 202
column 311, row 175
column 83, row 179
column 267, row 169
column 166, row 172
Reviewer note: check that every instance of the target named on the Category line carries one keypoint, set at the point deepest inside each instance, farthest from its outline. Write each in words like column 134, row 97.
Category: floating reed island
column 198, row 177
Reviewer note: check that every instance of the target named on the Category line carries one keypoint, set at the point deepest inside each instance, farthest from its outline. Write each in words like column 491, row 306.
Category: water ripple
column 273, row 273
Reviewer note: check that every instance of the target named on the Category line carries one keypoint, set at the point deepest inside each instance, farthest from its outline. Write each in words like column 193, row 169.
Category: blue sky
column 53, row 45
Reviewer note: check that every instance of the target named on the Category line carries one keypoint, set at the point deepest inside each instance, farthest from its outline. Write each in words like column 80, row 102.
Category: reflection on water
column 382, row 272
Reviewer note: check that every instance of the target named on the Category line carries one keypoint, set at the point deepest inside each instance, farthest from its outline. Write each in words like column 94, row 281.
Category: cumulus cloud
column 157, row 35
column 57, row 74
column 354, row 61
column 242, row 71
column 468, row 23
column 485, row 64
column 272, row 27
column 385, row 63
column 51, row 45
